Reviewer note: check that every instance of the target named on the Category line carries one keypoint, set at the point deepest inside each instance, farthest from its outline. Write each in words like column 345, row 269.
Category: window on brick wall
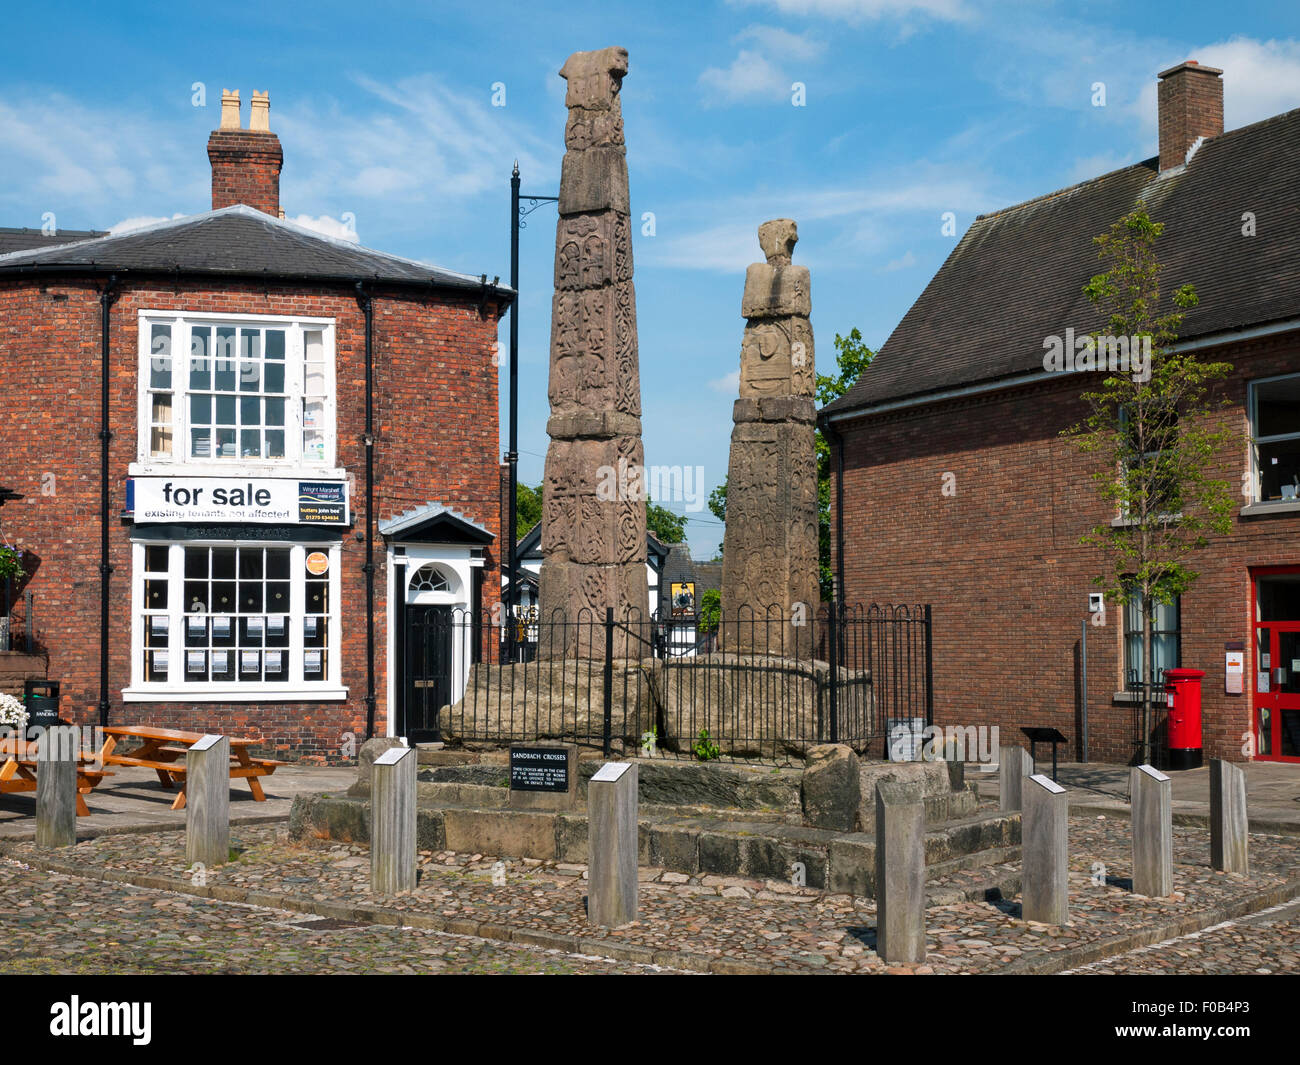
column 1275, row 439
column 239, row 620
column 240, row 390
column 1166, row 640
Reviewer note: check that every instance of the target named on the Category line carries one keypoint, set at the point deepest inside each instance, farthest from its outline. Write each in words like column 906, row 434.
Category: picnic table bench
column 18, row 767
column 163, row 750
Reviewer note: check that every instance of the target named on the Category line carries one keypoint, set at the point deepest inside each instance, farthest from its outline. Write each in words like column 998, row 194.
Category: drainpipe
column 364, row 299
column 107, row 297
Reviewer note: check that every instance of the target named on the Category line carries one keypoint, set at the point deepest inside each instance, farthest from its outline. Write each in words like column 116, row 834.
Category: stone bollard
column 1014, row 764
column 392, row 821
column 207, row 802
column 1229, row 826
column 1044, row 832
column 612, row 898
column 56, row 787
column 1153, row 832
column 900, row 873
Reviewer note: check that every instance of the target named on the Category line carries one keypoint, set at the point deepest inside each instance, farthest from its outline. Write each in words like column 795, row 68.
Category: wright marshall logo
column 102, row 1018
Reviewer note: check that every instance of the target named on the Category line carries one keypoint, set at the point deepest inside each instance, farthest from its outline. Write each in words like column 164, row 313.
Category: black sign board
column 539, row 769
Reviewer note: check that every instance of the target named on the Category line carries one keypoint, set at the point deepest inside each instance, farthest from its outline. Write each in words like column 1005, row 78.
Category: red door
column 1276, row 680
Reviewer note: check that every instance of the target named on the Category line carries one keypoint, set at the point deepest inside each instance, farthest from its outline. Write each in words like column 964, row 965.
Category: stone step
column 684, row 841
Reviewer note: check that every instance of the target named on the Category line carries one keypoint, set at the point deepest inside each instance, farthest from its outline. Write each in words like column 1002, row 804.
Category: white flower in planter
column 12, row 713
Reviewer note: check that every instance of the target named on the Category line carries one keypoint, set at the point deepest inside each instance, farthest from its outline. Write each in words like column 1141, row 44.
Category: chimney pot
column 246, row 163
column 259, row 119
column 1191, row 107
column 229, row 109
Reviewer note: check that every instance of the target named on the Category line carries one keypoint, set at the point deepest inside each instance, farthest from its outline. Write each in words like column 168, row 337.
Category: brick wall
column 435, row 413
column 1002, row 565
column 246, row 169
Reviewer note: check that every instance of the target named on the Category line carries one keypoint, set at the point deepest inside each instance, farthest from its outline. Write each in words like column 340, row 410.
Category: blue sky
column 385, row 111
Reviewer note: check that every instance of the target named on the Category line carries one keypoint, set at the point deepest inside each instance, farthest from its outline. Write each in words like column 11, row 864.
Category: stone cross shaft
column 594, row 508
column 770, row 590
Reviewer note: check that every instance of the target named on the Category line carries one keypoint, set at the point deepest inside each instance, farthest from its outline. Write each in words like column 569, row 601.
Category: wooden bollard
column 1044, row 828
column 900, row 873
column 56, row 787
column 1229, row 825
column 393, row 821
column 207, row 802
column 612, row 891
column 1014, row 765
column 1153, row 832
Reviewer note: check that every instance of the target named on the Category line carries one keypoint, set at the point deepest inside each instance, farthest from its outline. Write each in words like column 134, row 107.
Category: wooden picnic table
column 163, row 750
column 18, row 768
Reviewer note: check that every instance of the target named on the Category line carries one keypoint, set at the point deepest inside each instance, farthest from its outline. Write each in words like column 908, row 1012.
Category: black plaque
column 539, row 769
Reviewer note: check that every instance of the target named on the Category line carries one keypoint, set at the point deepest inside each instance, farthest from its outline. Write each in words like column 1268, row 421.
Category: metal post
column 1083, row 659
column 929, row 669
column 609, row 680
column 512, row 452
column 31, row 624
column 835, row 676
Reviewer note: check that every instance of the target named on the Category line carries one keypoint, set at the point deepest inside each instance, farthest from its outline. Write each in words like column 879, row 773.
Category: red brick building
column 214, row 423
column 958, row 490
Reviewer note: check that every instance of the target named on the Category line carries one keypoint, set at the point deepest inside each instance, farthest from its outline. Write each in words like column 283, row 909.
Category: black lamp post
column 517, row 215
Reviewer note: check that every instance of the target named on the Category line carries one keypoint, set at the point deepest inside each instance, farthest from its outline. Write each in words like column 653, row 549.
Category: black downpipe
column 364, row 299
column 107, row 297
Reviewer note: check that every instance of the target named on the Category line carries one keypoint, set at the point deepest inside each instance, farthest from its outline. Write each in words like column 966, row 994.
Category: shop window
column 1165, row 640
column 247, row 390
column 1275, row 438
column 235, row 616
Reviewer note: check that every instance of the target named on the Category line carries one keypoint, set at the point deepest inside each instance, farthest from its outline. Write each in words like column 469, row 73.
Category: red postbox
column 1183, row 688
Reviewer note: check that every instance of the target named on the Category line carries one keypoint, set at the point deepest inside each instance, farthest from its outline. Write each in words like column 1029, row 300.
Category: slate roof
column 12, row 240
column 679, row 567
column 1017, row 276
column 236, row 241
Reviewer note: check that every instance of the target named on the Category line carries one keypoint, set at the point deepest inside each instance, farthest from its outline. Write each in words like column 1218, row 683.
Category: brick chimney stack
column 1191, row 106
column 246, row 162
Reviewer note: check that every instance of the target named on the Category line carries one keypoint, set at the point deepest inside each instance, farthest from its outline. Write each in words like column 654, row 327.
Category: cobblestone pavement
column 60, row 924
column 712, row 922
column 1263, row 943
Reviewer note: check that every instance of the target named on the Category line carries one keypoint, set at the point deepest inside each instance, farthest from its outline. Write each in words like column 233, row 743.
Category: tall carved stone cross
column 593, row 538
column 770, row 590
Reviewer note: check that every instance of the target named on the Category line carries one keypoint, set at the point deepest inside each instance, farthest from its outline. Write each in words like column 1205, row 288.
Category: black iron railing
column 743, row 687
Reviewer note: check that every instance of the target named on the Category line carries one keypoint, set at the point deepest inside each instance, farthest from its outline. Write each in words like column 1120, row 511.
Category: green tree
column 710, row 609
column 528, row 508
column 669, row 527
column 718, row 502
column 852, row 356
column 1151, row 432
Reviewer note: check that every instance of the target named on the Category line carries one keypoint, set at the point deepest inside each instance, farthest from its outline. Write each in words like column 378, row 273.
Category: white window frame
column 1253, row 441
column 177, row 689
column 293, row 464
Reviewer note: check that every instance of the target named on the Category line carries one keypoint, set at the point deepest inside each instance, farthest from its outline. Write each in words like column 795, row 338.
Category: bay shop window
column 235, row 620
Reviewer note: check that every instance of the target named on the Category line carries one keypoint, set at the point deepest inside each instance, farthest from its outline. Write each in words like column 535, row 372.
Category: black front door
column 426, row 669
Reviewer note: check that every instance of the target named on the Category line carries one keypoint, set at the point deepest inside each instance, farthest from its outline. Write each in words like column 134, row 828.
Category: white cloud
column 139, row 222
column 331, row 227
column 750, row 75
column 869, row 10
column 1260, row 79
column 782, row 42
column 60, row 153
column 728, row 385
column 901, row 263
